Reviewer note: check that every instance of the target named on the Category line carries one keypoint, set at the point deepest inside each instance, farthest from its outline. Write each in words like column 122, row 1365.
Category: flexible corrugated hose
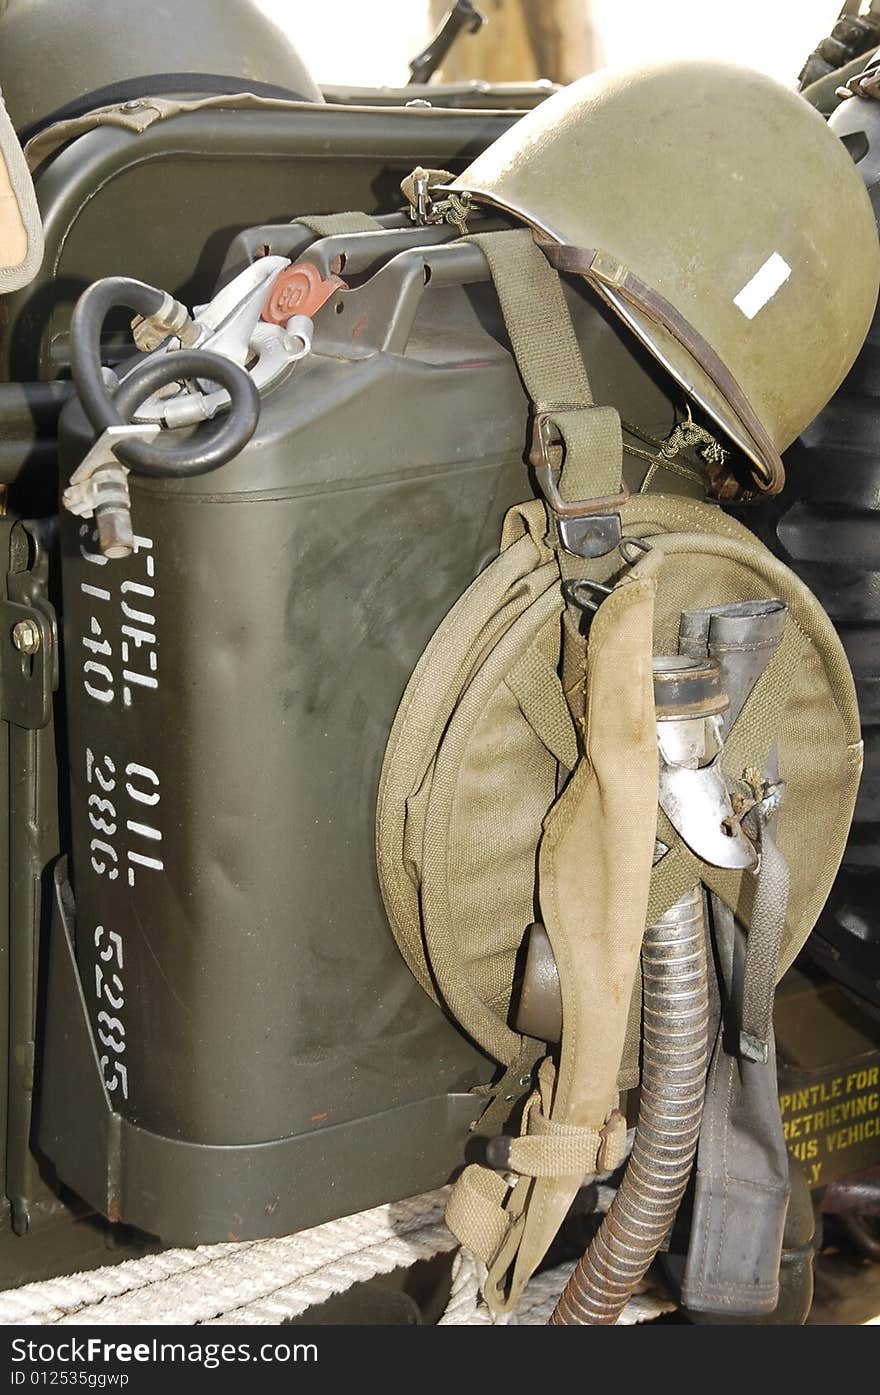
column 675, row 1053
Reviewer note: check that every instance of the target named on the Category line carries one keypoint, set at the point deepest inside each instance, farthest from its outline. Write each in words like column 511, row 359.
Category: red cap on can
column 299, row 290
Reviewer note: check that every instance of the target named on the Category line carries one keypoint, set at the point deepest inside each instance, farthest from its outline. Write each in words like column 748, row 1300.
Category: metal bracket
column 25, row 677
column 99, row 488
column 589, row 537
column 463, row 18
column 697, row 804
column 585, row 527
column 28, row 630
column 102, row 456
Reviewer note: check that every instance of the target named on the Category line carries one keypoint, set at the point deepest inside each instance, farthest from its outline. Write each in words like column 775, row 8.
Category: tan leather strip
column 13, row 235
column 604, row 271
column 21, row 232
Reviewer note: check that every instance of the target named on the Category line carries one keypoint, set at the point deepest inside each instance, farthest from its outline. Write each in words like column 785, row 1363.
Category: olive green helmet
column 60, row 58
column 722, row 220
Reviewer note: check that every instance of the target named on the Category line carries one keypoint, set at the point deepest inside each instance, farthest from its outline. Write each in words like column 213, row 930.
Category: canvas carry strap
column 603, row 821
column 577, row 447
column 331, row 224
column 594, row 917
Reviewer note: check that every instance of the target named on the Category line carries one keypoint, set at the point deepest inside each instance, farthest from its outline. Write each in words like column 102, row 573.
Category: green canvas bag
column 520, row 782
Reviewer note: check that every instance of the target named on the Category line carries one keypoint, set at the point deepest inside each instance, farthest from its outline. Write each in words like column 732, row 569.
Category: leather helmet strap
column 605, row 273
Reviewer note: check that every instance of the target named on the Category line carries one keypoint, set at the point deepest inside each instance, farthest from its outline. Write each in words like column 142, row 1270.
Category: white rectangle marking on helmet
column 763, row 286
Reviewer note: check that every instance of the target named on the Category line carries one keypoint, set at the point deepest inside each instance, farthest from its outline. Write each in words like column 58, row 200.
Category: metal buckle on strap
column 608, row 269
column 586, row 527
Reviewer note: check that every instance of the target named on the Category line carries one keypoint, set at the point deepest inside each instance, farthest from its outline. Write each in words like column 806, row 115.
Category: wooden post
column 524, row 40
column 563, row 38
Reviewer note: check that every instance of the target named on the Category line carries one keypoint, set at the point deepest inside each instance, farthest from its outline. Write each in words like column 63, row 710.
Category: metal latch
column 28, row 629
column 99, row 487
column 25, row 667
column 586, row 527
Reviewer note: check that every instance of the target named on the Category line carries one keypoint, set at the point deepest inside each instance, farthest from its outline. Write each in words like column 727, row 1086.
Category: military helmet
column 61, row 58
column 722, row 220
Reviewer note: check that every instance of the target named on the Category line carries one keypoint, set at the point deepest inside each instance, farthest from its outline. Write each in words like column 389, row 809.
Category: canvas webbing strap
column 765, row 941
column 570, row 1127
column 491, row 1216
column 589, row 456
column 332, row 224
column 595, row 920
column 502, row 1094
column 742, row 1180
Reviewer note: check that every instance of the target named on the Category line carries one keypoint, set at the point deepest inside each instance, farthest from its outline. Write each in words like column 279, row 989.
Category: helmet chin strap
column 613, row 279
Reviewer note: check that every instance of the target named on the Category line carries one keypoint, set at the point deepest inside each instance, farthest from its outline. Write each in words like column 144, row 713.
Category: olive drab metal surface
column 112, row 188
column 102, row 190
column 213, row 1034
column 85, row 61
column 730, row 162
column 231, row 688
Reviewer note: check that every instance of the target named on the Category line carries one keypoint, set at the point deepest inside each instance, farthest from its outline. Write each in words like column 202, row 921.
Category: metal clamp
column 588, row 594
column 232, row 325
column 426, row 210
column 172, row 318
column 586, row 527
column 99, row 488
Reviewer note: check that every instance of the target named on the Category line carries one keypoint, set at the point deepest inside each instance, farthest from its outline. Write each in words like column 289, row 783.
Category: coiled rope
column 264, row 1282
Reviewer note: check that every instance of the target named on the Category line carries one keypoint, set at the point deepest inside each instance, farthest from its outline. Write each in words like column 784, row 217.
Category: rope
column 297, row 1297
column 465, row 1307
column 265, row 1282
column 198, row 1286
column 538, row 1299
